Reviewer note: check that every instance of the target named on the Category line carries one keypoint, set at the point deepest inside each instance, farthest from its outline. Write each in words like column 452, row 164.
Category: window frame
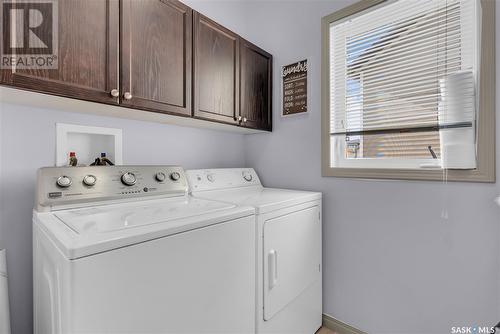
column 485, row 125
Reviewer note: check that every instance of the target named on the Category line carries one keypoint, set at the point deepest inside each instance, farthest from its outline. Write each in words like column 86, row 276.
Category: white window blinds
column 395, row 73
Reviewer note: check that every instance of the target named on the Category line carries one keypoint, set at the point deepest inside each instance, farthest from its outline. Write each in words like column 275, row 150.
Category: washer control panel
column 222, row 178
column 73, row 185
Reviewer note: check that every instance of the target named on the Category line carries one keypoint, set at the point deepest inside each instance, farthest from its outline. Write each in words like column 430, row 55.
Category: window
column 408, row 90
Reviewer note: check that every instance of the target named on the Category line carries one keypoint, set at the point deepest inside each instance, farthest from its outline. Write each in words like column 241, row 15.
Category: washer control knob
column 160, row 176
column 175, row 176
column 64, row 181
column 129, row 179
column 247, row 176
column 89, row 180
column 211, row 177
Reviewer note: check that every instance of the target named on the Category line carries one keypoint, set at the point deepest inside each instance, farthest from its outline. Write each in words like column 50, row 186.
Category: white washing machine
column 288, row 230
column 126, row 250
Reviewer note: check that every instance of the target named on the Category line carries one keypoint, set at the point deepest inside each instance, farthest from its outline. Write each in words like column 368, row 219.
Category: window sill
column 426, row 174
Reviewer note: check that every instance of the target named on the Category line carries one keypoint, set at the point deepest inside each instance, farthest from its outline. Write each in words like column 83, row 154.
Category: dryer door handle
column 273, row 268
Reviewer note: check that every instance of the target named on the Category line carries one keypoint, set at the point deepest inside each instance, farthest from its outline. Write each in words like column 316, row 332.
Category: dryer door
column 292, row 257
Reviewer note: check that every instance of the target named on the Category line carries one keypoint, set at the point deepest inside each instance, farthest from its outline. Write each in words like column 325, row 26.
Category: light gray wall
column 27, row 138
column 392, row 264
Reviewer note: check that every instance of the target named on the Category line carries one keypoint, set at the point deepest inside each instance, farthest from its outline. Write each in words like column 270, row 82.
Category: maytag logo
column 472, row 330
column 29, row 34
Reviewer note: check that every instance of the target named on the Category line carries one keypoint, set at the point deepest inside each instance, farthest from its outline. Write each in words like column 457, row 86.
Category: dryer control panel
column 63, row 186
column 221, row 178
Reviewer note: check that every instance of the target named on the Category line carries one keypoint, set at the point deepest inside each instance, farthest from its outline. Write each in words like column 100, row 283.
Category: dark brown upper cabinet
column 156, row 52
column 255, row 86
column 154, row 55
column 87, row 54
column 216, row 71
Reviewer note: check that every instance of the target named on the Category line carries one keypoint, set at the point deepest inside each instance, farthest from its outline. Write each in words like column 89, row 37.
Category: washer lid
column 105, row 219
column 262, row 199
column 87, row 231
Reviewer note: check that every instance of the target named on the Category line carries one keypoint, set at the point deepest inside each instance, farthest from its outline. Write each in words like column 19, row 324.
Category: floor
column 324, row 330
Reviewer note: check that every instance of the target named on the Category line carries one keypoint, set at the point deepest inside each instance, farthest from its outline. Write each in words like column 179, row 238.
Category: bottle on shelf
column 102, row 161
column 105, row 160
column 73, row 161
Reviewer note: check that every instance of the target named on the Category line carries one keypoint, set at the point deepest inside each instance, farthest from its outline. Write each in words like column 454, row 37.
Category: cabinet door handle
column 114, row 93
column 127, row 96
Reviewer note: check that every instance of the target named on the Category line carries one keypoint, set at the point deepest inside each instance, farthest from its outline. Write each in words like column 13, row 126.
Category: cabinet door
column 216, row 71
column 88, row 36
column 256, row 87
column 156, row 55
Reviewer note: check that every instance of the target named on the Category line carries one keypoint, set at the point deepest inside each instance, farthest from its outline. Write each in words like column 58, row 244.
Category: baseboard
column 338, row 326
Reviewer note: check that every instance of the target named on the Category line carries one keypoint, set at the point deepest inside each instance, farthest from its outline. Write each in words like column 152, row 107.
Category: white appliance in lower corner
column 4, row 296
column 288, row 230
column 126, row 250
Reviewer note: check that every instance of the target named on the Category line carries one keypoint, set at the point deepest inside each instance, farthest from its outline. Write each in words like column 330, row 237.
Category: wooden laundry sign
column 294, row 88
